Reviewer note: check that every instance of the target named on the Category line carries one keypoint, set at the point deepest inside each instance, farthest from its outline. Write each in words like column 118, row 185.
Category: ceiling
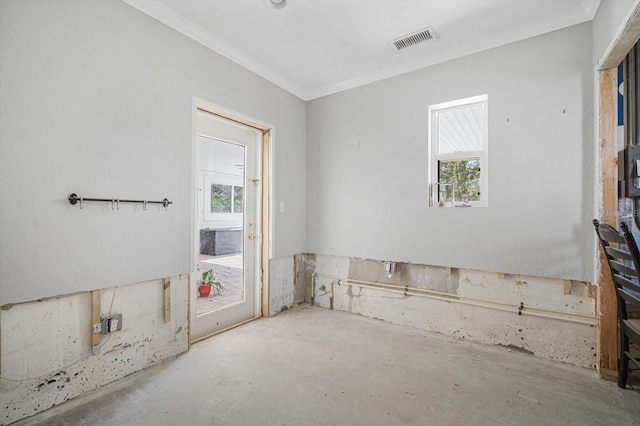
column 313, row 48
column 218, row 155
column 460, row 129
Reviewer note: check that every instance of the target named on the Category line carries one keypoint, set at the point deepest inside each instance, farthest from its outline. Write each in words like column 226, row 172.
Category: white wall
column 367, row 164
column 96, row 99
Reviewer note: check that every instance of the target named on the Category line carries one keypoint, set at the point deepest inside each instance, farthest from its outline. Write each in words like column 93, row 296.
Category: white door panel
column 227, row 233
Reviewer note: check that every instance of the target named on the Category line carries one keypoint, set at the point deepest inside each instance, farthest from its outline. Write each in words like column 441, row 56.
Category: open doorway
column 607, row 114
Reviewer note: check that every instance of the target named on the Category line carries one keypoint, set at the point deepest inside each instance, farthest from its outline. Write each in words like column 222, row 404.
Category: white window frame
column 434, row 110
column 216, row 179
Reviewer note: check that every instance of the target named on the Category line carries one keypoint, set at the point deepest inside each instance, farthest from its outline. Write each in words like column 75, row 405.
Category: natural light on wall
column 458, row 149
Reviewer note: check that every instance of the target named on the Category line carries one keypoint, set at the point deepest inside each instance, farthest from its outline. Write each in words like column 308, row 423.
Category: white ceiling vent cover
column 415, row 38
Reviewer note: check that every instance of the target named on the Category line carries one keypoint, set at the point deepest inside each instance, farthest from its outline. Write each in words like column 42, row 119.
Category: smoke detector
column 414, row 38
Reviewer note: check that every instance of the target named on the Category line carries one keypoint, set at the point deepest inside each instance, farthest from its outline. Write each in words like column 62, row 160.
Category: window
column 226, row 198
column 223, row 199
column 458, row 148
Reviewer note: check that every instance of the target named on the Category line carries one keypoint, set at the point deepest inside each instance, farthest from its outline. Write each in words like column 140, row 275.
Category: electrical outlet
column 111, row 323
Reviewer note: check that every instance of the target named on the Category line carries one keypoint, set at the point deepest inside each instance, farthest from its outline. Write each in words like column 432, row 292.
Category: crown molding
column 591, row 7
column 195, row 32
column 174, row 20
column 533, row 29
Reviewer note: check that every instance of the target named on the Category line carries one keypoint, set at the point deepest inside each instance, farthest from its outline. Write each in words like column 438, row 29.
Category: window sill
column 458, row 206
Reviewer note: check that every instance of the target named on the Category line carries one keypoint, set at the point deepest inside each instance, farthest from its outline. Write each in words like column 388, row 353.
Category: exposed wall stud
column 592, row 290
column 567, row 286
column 167, row 300
column 95, row 319
column 607, row 357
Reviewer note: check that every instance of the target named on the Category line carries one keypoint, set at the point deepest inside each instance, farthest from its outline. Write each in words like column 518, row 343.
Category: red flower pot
column 204, row 290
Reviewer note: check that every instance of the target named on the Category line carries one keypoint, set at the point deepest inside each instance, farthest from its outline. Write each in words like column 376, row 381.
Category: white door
column 227, row 233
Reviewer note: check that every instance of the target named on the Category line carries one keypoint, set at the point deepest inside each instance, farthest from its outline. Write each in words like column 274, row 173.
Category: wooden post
column 95, row 319
column 607, row 358
column 592, row 291
column 167, row 300
column 266, row 203
column 3, row 308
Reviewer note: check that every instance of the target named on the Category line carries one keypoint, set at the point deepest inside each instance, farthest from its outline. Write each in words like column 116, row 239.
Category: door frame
column 267, row 130
column 606, row 113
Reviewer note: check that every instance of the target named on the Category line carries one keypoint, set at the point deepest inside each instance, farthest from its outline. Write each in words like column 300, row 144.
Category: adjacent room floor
column 228, row 271
column 311, row 366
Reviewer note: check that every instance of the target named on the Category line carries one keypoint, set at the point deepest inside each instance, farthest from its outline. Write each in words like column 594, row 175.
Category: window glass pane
column 460, row 129
column 465, row 176
column 220, row 198
column 238, row 199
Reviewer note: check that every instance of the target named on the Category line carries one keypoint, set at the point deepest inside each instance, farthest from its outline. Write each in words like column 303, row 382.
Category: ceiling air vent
column 415, row 38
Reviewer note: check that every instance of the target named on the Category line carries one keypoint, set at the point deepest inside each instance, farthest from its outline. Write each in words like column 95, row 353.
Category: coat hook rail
column 75, row 199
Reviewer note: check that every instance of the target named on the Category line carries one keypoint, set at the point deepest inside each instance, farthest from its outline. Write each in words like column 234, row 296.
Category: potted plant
column 207, row 282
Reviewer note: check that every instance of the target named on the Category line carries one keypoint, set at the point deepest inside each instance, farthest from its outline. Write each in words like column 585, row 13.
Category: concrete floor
column 310, row 366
